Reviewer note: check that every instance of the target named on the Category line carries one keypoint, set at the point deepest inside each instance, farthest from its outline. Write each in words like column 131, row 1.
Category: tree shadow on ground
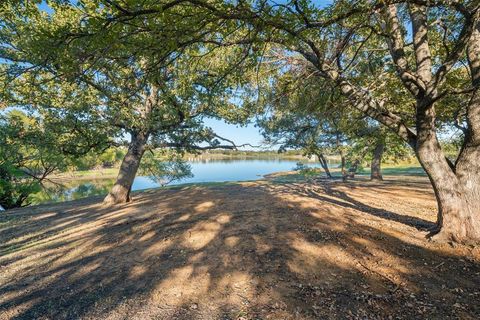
column 245, row 251
column 329, row 192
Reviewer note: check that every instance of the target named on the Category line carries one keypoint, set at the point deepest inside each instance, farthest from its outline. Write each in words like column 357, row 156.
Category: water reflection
column 73, row 190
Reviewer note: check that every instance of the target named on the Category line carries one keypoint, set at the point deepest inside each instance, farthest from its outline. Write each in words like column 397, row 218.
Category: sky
column 240, row 135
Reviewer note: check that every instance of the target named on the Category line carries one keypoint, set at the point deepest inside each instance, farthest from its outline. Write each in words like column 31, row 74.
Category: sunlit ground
column 267, row 250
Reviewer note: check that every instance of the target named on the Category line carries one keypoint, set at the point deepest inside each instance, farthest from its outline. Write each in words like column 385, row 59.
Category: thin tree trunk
column 324, row 164
column 120, row 192
column 352, row 171
column 376, row 166
column 343, row 162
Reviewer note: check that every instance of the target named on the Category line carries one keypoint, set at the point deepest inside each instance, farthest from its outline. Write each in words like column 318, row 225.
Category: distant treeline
column 249, row 154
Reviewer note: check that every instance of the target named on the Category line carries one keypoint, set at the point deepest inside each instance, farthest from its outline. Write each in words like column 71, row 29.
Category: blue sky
column 240, row 135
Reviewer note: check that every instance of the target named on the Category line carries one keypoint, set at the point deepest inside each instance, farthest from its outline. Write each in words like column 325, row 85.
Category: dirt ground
column 254, row 250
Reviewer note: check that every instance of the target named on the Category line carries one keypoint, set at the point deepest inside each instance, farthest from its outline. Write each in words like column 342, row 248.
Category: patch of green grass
column 388, row 170
column 288, row 178
column 105, row 171
column 399, row 171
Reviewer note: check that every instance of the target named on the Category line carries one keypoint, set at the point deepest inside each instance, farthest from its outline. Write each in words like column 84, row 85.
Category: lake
column 203, row 171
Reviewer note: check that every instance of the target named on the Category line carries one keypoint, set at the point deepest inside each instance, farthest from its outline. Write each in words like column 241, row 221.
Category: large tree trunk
column 376, row 165
column 324, row 164
column 457, row 189
column 458, row 198
column 460, row 205
column 120, row 192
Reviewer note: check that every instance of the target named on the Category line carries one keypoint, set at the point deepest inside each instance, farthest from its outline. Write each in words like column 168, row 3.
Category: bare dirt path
column 255, row 250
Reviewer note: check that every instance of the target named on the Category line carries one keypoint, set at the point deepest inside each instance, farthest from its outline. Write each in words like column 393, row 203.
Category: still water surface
column 206, row 171
column 232, row 170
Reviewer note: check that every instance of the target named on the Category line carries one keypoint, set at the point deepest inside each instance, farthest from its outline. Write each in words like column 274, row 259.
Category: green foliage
column 154, row 76
column 69, row 191
column 309, row 120
column 305, row 170
column 164, row 167
column 96, row 72
column 32, row 147
column 96, row 159
column 452, row 147
column 27, row 157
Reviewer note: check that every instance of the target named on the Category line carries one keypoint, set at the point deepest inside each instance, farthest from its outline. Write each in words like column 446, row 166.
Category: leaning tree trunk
column 324, row 164
column 376, row 166
column 120, row 192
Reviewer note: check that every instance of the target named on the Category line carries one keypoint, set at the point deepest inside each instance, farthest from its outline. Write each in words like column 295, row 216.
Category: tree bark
column 343, row 163
column 120, row 192
column 459, row 200
column 457, row 190
column 324, row 164
column 376, row 166
column 456, row 187
column 458, row 197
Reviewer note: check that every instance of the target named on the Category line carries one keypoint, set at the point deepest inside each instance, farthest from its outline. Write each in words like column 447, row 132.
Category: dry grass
column 257, row 250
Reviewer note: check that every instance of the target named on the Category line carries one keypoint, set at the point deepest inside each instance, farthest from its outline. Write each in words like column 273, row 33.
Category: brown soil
column 257, row 250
